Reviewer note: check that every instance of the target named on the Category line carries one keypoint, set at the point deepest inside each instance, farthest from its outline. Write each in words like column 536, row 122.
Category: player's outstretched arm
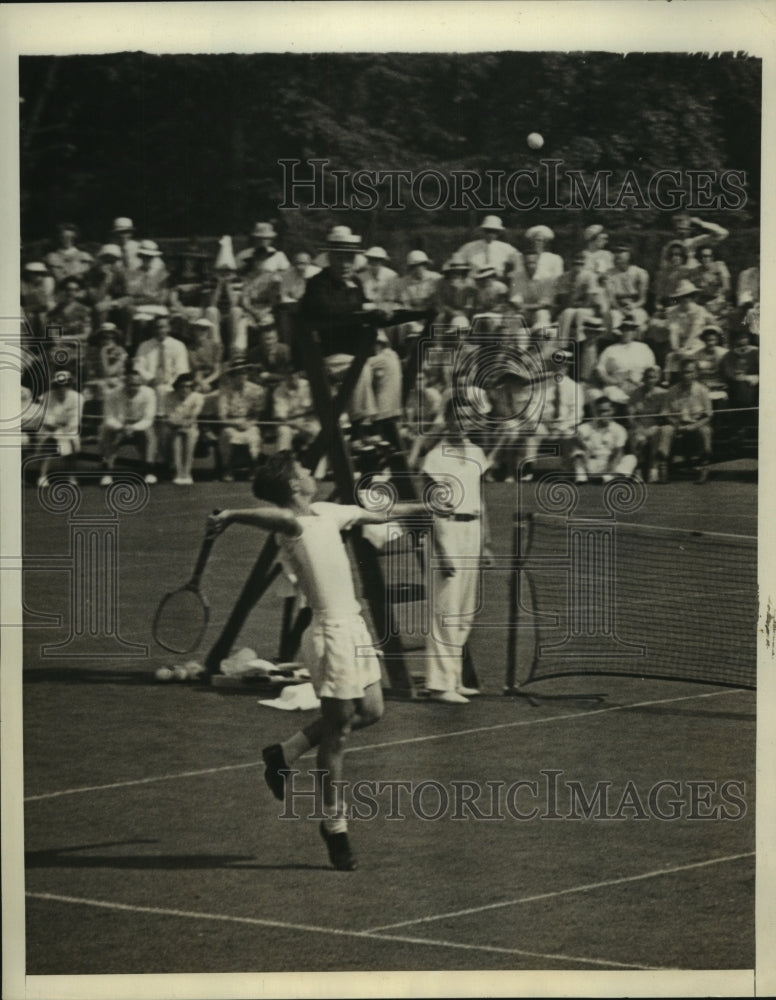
column 266, row 518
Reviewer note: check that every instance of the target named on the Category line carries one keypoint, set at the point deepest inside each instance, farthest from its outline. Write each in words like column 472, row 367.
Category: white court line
column 392, row 743
column 336, row 932
column 564, row 892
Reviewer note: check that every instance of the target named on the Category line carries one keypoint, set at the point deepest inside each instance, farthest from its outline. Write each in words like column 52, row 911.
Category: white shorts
column 340, row 656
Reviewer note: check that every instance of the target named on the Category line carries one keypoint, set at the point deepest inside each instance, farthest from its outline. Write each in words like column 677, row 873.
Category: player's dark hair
column 272, row 481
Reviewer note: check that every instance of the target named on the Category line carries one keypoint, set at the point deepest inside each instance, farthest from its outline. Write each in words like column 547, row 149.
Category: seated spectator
column 490, row 294
column 269, row 356
column 422, row 408
column 223, row 301
column 180, row 430
column 106, row 289
column 240, row 404
column 110, row 360
column 161, row 360
column 626, row 285
column 598, row 259
column 673, row 269
column 37, row 298
column 748, row 298
column 684, row 224
column 712, row 279
column 532, row 296
column 740, row 371
column 385, row 367
column 709, row 361
column 64, row 261
column 512, row 400
column 417, row 288
column 645, row 407
column 147, row 283
column 455, row 293
column 123, row 236
column 600, row 446
column 260, row 297
column 657, row 335
column 293, row 282
column 205, row 356
column 560, row 410
column 377, row 279
column 188, row 289
column 578, row 297
column 595, row 338
column 70, row 313
column 686, row 319
column 129, row 412
column 261, row 256
column 60, row 412
column 549, row 266
column 292, row 403
column 687, row 423
column 622, row 365
column 69, row 325
column 490, row 251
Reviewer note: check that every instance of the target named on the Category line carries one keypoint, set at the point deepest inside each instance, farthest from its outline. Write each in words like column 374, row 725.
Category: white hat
column 492, row 222
column 122, row 224
column 36, row 267
column 417, row 257
column 294, row 696
column 264, row 229
column 377, row 253
column 593, row 231
column 110, row 250
column 342, row 238
column 147, row 248
column 203, row 322
column 544, row 231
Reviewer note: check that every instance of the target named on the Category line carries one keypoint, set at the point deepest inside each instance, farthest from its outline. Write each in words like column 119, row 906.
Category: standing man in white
column 457, row 465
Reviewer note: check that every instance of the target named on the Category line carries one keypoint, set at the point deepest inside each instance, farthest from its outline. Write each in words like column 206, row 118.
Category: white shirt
column 161, row 362
column 502, row 256
column 600, row 444
column 460, row 467
column 624, row 364
column 319, row 560
column 563, row 406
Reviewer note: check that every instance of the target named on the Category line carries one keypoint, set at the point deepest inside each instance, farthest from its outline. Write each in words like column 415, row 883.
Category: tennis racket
column 181, row 619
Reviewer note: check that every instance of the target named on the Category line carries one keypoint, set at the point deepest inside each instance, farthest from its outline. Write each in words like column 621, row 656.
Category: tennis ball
column 535, row 140
column 179, row 673
column 163, row 674
column 193, row 669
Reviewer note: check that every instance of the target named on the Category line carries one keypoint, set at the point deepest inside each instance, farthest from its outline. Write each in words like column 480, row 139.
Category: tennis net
column 623, row 598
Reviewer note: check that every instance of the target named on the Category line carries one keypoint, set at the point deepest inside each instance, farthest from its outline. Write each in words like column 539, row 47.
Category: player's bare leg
column 336, row 717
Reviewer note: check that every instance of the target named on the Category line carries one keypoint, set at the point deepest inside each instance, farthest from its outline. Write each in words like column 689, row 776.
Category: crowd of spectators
column 181, row 358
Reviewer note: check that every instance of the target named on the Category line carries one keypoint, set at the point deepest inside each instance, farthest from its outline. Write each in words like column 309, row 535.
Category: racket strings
column 181, row 621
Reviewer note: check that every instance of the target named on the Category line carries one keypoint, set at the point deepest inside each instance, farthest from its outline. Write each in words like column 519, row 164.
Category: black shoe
column 339, row 850
column 276, row 770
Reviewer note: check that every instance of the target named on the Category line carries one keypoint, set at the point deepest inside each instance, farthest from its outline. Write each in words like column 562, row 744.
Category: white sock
column 336, row 824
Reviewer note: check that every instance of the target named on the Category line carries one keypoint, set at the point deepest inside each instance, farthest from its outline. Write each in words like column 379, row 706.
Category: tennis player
column 337, row 647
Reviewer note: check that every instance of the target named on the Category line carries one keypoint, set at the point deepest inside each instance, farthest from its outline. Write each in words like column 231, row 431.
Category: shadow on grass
column 65, row 858
column 86, row 675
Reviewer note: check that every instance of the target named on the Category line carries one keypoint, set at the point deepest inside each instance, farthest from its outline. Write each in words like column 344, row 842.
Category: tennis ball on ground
column 179, row 673
column 535, row 140
column 163, row 674
column 193, row 669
